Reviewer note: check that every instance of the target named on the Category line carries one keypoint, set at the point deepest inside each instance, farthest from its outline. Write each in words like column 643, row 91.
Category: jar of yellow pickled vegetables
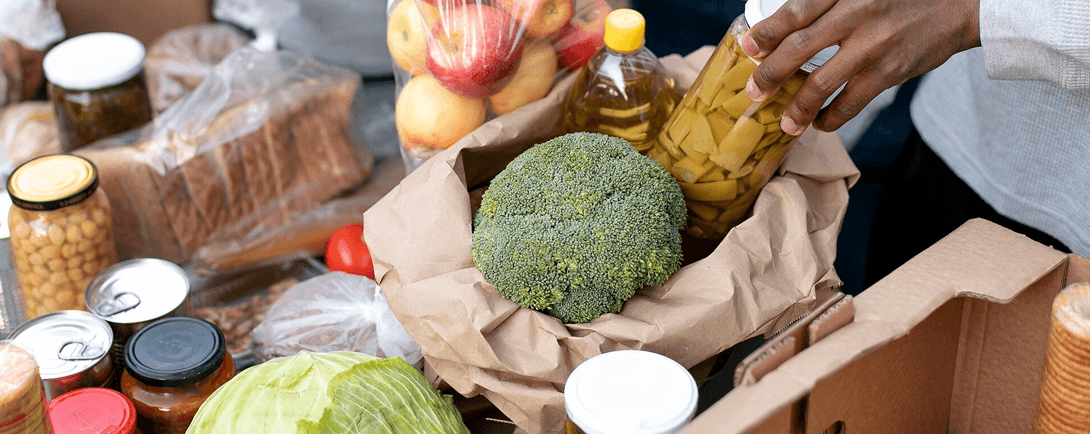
column 720, row 145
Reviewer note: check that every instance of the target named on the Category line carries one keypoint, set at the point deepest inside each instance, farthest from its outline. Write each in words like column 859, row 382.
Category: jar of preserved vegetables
column 61, row 231
column 171, row 367
column 96, row 84
column 720, row 145
column 629, row 391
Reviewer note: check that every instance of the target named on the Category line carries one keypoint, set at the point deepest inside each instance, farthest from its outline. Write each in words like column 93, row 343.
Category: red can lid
column 92, row 410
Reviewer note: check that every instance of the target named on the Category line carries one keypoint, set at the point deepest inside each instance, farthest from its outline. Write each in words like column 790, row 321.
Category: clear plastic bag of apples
column 460, row 63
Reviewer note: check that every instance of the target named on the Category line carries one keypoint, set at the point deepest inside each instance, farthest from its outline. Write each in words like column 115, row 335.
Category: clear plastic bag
column 459, row 63
column 27, row 131
column 178, row 62
column 264, row 138
column 333, row 312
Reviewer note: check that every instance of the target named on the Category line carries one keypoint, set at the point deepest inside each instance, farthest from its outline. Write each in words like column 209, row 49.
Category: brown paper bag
column 762, row 275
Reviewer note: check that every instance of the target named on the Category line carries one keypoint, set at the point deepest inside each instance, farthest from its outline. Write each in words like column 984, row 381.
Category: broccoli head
column 574, row 226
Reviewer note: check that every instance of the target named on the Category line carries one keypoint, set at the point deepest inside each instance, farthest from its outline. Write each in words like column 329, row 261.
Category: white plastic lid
column 94, row 61
column 630, row 392
column 758, row 10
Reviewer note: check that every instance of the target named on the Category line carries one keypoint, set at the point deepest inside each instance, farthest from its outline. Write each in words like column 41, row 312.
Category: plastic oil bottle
column 624, row 90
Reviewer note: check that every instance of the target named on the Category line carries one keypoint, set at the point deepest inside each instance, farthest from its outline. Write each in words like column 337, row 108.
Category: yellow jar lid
column 52, row 182
column 624, row 30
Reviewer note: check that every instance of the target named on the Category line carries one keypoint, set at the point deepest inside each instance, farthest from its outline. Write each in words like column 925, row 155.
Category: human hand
column 883, row 43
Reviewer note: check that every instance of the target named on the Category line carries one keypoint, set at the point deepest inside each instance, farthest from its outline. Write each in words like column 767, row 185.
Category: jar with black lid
column 171, row 367
column 96, row 83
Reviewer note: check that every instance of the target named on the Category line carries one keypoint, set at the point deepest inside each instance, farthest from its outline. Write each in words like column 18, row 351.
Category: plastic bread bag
column 179, row 60
column 461, row 63
column 27, row 29
column 264, row 138
column 27, row 131
column 333, row 312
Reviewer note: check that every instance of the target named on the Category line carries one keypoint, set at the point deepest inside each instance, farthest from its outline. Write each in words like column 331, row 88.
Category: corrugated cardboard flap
column 979, row 260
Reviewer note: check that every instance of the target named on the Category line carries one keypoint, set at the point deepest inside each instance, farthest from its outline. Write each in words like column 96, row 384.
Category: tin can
column 92, row 410
column 71, row 348
column 135, row 293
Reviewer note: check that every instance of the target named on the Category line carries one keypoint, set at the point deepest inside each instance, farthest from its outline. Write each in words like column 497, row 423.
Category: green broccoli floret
column 575, row 225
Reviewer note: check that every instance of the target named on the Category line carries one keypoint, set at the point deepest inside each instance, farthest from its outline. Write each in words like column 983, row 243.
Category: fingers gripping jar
column 720, row 145
column 61, row 233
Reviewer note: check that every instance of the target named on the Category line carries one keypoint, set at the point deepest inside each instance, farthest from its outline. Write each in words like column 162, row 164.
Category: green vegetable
column 344, row 392
column 273, row 396
column 575, row 225
column 385, row 396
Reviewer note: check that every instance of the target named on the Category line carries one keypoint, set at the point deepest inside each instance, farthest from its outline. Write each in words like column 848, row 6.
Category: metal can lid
column 94, row 61
column 65, row 342
column 757, row 10
column 630, row 391
column 52, row 182
column 174, row 352
column 137, row 290
column 92, row 410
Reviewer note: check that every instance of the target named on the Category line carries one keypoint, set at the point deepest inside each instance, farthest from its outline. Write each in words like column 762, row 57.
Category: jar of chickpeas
column 719, row 144
column 61, row 234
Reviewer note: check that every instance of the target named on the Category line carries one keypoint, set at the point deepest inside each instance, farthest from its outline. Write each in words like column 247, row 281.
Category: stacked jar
column 61, row 233
column 720, row 145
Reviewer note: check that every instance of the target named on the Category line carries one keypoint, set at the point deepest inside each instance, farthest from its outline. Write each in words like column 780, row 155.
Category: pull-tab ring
column 121, row 302
column 82, row 350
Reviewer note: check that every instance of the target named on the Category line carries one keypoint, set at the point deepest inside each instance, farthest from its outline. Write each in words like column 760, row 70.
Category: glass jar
column 22, row 398
column 624, row 90
column 61, row 231
column 720, row 145
column 171, row 367
column 629, row 391
column 93, row 410
column 96, row 83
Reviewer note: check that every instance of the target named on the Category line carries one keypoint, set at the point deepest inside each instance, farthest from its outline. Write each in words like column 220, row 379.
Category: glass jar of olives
column 96, row 84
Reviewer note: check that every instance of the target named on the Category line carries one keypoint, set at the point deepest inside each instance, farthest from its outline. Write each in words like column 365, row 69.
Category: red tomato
column 347, row 252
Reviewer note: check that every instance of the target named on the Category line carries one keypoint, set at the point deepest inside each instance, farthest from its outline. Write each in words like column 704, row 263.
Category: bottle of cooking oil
column 624, row 90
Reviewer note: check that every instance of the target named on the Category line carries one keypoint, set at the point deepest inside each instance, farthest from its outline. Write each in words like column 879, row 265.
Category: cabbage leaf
column 385, row 396
column 274, row 396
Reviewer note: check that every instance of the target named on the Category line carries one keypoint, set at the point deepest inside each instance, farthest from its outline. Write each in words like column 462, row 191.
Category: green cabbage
column 287, row 395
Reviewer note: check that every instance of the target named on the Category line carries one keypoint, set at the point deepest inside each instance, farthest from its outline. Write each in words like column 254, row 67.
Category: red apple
column 474, row 50
column 577, row 42
column 542, row 18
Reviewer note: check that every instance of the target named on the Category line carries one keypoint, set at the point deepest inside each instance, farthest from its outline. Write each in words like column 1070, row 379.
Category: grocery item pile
column 200, row 242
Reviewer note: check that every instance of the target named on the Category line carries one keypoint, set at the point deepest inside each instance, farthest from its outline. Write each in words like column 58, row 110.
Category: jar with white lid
column 720, row 145
column 96, row 83
column 630, row 392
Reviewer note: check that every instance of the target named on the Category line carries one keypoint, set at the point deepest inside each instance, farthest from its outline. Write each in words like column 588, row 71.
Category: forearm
column 1037, row 40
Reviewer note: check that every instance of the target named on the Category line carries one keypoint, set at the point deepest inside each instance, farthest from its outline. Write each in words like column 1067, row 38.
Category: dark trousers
column 923, row 201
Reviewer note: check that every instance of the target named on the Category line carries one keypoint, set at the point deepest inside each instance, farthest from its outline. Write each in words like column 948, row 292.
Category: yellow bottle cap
column 52, row 182
column 624, row 30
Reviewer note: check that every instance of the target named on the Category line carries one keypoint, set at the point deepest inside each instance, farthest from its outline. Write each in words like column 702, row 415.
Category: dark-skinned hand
column 883, row 43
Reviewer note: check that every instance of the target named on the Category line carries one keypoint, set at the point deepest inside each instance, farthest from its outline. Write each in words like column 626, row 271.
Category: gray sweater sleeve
column 1037, row 40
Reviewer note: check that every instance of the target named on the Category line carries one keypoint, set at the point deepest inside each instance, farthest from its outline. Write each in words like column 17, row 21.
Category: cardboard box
column 145, row 20
column 953, row 341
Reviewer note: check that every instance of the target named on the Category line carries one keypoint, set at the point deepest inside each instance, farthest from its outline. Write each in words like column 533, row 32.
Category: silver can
column 135, row 293
column 72, row 349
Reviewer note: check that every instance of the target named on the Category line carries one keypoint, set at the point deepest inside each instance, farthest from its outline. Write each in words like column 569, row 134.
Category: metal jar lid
column 65, row 342
column 137, row 290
